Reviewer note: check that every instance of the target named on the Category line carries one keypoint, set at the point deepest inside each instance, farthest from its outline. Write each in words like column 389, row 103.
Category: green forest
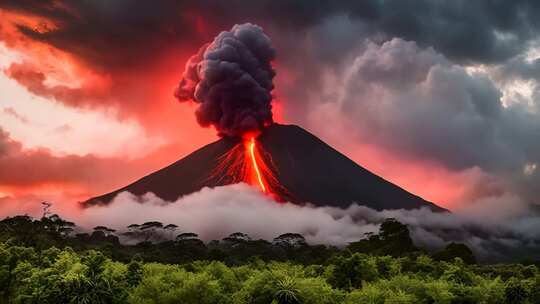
column 44, row 261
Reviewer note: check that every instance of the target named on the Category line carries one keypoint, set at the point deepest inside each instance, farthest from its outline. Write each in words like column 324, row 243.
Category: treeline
column 41, row 261
column 156, row 242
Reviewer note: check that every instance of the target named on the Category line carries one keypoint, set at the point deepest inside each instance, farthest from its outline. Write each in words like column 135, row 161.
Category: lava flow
column 248, row 162
column 255, row 172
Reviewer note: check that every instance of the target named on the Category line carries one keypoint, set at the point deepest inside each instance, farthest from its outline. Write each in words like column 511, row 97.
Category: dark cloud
column 520, row 71
column 109, row 34
column 231, row 80
column 479, row 31
column 521, row 68
column 123, row 32
column 415, row 101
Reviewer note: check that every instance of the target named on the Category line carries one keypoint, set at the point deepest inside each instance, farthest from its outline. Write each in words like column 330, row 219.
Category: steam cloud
column 216, row 213
column 231, row 79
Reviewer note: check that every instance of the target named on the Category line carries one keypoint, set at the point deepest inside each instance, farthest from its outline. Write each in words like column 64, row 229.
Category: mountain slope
column 310, row 170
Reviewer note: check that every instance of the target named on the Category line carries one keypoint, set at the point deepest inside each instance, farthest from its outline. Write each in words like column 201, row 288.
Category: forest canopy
column 44, row 261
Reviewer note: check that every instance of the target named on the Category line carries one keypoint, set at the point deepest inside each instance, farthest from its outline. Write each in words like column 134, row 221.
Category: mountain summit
column 307, row 170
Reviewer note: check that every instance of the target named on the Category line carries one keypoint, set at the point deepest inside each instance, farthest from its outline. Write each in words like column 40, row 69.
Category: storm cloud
column 484, row 31
column 414, row 100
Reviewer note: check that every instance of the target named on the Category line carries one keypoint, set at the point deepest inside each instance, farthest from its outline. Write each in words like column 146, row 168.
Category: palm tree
column 287, row 292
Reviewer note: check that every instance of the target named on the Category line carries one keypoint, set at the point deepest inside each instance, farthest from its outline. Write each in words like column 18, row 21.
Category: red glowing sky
column 74, row 126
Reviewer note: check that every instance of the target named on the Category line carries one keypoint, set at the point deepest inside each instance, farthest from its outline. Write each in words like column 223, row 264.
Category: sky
column 439, row 97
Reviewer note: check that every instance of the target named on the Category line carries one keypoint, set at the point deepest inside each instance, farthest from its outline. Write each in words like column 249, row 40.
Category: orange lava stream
column 248, row 162
column 255, row 166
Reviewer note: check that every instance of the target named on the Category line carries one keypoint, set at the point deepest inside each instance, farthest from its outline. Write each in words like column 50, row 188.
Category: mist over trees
column 45, row 261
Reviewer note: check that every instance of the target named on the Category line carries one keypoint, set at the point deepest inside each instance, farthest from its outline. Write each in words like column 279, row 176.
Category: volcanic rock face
column 307, row 169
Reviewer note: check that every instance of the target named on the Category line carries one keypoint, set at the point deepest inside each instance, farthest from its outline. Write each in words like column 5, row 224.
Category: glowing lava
column 248, row 162
column 254, row 162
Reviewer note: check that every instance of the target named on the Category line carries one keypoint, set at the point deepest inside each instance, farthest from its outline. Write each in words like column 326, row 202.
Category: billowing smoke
column 510, row 234
column 231, row 80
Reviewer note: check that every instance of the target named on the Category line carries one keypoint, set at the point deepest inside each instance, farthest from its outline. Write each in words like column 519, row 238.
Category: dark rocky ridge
column 310, row 170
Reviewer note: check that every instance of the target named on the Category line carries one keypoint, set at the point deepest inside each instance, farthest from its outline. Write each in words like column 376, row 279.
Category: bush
column 163, row 284
column 349, row 272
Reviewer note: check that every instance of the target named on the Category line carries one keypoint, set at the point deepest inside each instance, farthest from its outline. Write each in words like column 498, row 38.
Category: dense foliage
column 40, row 262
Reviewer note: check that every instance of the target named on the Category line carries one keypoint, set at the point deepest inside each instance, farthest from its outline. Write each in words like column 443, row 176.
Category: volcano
column 306, row 169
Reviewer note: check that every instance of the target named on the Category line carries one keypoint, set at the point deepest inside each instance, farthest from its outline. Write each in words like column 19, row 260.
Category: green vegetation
column 42, row 262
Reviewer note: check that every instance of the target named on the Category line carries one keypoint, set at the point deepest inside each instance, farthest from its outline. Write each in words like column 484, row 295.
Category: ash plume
column 231, row 80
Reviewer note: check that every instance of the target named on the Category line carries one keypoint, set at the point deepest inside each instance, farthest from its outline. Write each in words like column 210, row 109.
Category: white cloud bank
column 491, row 228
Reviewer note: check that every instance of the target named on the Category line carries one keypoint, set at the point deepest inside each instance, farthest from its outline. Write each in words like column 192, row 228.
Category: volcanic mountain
column 306, row 169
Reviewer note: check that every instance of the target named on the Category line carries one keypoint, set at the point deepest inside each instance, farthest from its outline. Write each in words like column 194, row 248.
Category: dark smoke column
column 231, row 80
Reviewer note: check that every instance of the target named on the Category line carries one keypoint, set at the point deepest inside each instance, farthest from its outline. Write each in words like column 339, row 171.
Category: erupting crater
column 248, row 162
column 285, row 162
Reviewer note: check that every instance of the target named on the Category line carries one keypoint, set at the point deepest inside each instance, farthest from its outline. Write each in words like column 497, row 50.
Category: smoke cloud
column 231, row 79
column 510, row 234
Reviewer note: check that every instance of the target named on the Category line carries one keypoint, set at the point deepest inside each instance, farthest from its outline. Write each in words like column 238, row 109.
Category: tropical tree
column 455, row 250
column 294, row 240
column 106, row 231
column 150, row 229
column 350, row 272
column 171, row 228
column 186, row 236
